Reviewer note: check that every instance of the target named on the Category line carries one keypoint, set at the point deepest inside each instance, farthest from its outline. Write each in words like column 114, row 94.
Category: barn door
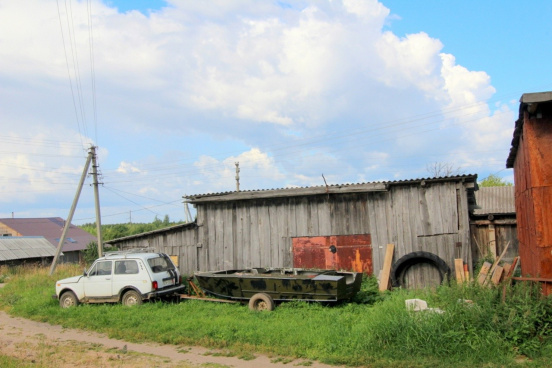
column 338, row 252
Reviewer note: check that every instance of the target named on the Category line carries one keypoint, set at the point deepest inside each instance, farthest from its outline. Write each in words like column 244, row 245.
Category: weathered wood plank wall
column 258, row 232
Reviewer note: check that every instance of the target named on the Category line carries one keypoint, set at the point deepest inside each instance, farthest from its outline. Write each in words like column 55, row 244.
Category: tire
column 131, row 298
column 68, row 299
column 261, row 302
column 404, row 263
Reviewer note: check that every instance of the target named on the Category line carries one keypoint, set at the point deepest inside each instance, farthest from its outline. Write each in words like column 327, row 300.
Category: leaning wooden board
column 384, row 279
column 483, row 273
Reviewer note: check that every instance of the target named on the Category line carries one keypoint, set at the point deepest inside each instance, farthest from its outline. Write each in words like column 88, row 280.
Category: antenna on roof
column 327, row 188
column 237, row 176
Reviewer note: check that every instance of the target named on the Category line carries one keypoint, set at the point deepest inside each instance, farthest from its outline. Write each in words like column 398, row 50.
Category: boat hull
column 281, row 284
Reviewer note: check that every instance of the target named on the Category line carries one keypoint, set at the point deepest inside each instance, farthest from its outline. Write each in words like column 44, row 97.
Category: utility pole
column 237, row 176
column 71, row 212
column 97, row 200
column 187, row 212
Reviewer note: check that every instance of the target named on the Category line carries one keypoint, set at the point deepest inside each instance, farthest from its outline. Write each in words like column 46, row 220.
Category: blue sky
column 174, row 93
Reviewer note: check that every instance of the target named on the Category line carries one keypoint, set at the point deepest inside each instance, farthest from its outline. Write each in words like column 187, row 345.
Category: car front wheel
column 68, row 299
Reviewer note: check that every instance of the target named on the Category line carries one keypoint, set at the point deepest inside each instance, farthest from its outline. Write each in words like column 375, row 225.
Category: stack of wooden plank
column 494, row 274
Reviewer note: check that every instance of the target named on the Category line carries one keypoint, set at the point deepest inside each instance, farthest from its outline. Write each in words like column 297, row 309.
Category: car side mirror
column 84, row 273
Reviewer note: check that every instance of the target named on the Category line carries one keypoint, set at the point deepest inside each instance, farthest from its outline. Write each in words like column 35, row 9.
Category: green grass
column 380, row 333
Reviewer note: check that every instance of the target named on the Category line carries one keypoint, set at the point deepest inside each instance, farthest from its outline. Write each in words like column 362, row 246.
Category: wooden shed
column 337, row 226
column 531, row 158
column 493, row 223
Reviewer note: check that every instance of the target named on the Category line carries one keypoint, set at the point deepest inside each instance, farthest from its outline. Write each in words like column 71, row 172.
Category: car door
column 128, row 273
column 98, row 282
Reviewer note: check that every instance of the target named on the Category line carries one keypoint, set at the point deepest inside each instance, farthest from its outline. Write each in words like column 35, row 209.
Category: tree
column 494, row 181
column 439, row 169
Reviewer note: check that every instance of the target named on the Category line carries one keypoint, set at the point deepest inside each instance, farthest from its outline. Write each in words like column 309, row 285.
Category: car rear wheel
column 68, row 299
column 261, row 302
column 131, row 298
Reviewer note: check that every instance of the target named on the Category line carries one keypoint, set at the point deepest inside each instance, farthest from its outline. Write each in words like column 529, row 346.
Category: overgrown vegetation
column 116, row 231
column 376, row 330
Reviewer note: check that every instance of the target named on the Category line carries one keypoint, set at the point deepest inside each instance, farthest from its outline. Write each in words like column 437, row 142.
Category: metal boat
column 281, row 284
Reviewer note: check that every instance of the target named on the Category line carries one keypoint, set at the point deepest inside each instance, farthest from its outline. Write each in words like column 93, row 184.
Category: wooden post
column 384, row 279
column 492, row 240
column 459, row 268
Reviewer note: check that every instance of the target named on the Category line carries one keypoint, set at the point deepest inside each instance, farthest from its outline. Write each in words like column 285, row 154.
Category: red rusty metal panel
column 533, row 179
column 352, row 252
column 309, row 252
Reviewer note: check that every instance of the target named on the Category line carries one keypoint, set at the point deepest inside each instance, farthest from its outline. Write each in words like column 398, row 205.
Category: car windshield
column 160, row 264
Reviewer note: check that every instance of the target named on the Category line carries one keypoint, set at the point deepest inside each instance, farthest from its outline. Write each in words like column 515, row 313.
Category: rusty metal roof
column 323, row 189
column 495, row 201
column 51, row 228
column 528, row 102
column 25, row 247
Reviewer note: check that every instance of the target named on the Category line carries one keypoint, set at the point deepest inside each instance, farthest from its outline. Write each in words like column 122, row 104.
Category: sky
column 174, row 93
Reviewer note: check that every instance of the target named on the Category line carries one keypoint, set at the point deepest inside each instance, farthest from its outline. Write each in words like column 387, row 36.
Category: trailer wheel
column 261, row 302
column 68, row 299
column 404, row 263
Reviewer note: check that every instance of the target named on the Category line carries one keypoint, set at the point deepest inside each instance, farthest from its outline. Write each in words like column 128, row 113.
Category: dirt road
column 48, row 345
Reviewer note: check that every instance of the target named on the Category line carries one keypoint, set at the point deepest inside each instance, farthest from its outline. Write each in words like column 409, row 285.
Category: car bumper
column 179, row 289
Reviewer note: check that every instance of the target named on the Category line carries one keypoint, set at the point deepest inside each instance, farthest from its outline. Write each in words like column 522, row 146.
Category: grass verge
column 377, row 331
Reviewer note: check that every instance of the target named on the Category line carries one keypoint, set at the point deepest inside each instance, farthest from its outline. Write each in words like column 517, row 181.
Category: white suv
column 125, row 277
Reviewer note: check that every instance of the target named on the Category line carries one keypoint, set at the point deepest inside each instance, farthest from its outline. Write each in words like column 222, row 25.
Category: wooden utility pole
column 97, row 201
column 71, row 212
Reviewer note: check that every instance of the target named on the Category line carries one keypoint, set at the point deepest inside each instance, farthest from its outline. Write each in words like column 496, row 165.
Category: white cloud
column 127, row 167
column 318, row 87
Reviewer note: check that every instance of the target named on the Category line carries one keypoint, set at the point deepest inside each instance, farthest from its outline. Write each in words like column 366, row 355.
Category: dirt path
column 54, row 346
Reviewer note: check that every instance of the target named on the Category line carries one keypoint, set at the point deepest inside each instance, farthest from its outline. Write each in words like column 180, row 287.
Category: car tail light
column 154, row 285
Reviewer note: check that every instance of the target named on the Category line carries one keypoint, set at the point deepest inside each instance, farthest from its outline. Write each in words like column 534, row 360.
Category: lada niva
column 125, row 277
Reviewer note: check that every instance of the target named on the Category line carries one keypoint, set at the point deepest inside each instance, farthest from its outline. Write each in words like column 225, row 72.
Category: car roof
column 129, row 255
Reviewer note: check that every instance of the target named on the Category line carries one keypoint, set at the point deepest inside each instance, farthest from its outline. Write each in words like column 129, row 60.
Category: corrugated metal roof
column 25, row 247
column 495, row 200
column 152, row 232
column 51, row 228
column 321, row 189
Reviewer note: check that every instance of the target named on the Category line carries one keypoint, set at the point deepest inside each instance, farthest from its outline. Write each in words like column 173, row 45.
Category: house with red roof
column 50, row 228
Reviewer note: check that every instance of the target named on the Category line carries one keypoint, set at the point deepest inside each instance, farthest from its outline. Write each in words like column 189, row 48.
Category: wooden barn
column 531, row 158
column 337, row 226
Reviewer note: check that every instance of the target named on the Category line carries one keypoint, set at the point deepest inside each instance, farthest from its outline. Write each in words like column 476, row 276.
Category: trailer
column 262, row 288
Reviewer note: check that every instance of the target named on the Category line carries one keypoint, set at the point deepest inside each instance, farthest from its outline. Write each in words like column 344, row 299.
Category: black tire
column 131, row 298
column 68, row 299
column 261, row 302
column 405, row 262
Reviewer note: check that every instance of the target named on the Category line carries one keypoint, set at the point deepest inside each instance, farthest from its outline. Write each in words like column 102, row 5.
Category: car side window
column 93, row 271
column 127, row 267
column 101, row 269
